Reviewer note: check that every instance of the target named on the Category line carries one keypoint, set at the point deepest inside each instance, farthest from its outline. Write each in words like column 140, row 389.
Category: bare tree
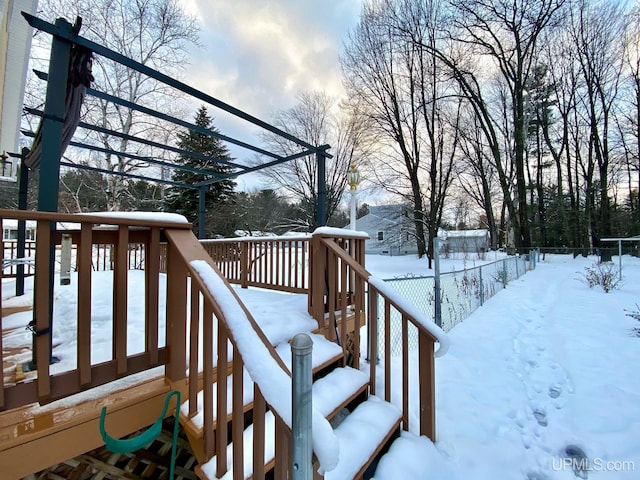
column 477, row 176
column 629, row 121
column 499, row 35
column 155, row 33
column 317, row 119
column 597, row 30
column 398, row 87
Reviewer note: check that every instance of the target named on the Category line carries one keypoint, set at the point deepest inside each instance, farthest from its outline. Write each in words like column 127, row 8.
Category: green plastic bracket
column 129, row 445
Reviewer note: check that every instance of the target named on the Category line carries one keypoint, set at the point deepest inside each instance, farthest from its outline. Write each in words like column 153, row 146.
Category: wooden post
column 85, row 249
column 176, row 316
column 427, row 386
column 120, row 288
column 244, row 264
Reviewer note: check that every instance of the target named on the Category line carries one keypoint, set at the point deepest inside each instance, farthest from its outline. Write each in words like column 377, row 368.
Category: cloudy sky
column 258, row 54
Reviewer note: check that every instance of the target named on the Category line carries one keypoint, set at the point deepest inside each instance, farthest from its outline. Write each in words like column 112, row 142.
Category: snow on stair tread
column 323, row 351
column 209, row 468
column 198, row 419
column 330, row 391
column 360, row 434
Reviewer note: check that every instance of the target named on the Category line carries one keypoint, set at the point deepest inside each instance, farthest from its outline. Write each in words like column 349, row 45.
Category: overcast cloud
column 258, row 54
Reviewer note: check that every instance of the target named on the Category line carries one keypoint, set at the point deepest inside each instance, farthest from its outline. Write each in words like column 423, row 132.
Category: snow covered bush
column 602, row 274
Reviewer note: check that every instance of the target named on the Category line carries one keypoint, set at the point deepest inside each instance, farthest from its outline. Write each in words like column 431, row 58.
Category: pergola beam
column 126, row 174
column 133, row 156
column 166, row 79
column 144, row 141
column 167, row 118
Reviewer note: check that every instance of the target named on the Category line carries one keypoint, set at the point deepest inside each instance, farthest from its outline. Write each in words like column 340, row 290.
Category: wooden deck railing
column 121, row 235
column 337, row 272
column 214, row 353
column 278, row 263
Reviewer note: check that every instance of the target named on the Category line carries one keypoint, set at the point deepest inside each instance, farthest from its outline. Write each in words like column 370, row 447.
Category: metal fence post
column 517, row 270
column 505, row 273
column 481, row 287
column 302, row 448
column 436, row 266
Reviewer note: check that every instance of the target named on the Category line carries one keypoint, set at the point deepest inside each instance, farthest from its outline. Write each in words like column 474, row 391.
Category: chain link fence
column 461, row 292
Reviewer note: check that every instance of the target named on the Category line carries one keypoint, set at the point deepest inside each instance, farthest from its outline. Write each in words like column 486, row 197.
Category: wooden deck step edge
column 323, row 354
column 338, row 389
column 362, row 435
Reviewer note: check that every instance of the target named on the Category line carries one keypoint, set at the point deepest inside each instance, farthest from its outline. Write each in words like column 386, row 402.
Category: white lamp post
column 353, row 179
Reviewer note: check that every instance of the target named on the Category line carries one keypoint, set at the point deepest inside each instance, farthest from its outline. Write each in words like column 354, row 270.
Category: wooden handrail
column 336, row 265
column 184, row 248
column 107, row 218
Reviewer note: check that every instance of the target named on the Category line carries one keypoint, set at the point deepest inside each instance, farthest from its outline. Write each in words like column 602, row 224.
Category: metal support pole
column 52, row 128
column 201, row 211
column 620, row 259
column 436, row 265
column 23, row 183
column 321, row 210
column 53, row 120
column 302, row 448
column 481, row 287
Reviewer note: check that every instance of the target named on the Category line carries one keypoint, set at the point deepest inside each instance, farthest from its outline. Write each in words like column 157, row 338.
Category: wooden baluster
column 427, row 386
column 221, row 414
column 387, row 351
column 84, row 303
column 244, row 263
column 259, row 440
column 43, row 307
column 194, row 329
column 176, row 316
column 283, row 450
column 372, row 325
column 152, row 283
column 210, row 447
column 405, row 374
column 237, row 423
column 120, row 287
column 332, row 289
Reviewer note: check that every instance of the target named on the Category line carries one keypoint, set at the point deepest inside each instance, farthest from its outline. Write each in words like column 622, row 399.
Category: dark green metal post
column 321, row 210
column 52, row 128
column 201, row 211
column 23, row 182
column 52, row 123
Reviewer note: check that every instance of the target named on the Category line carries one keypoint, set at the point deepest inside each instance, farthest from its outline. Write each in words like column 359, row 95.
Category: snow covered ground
column 544, row 374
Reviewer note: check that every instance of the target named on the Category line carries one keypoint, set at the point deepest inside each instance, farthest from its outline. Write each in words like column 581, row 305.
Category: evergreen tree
column 218, row 195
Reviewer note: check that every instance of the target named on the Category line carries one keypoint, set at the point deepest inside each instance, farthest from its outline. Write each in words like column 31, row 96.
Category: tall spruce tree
column 218, row 195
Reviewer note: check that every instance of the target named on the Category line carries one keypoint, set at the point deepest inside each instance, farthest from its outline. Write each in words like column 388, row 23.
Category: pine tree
column 185, row 200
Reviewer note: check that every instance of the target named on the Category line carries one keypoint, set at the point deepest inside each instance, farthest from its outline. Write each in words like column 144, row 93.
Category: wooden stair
column 364, row 425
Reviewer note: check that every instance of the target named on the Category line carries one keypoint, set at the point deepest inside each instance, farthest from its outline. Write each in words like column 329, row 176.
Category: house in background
column 392, row 232
column 390, row 229
column 464, row 241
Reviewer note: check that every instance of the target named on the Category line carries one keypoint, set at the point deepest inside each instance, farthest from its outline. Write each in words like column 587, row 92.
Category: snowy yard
column 546, row 372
